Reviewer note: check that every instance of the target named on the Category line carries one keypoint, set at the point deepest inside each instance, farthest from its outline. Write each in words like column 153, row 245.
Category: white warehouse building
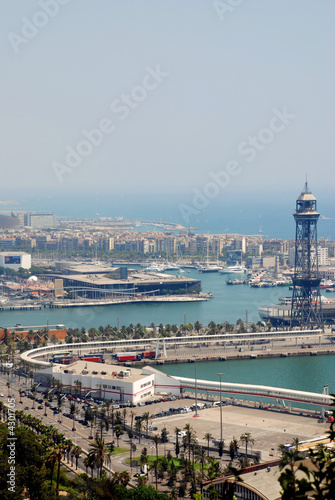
column 106, row 381
column 15, row 260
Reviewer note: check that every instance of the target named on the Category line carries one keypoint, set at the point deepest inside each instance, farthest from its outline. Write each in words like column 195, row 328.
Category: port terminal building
column 108, row 382
column 96, row 282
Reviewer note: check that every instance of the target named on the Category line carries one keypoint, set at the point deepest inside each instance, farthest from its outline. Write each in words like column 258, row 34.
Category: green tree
column 208, row 436
column 118, row 430
column 233, row 448
column 138, row 428
column 246, row 437
column 99, row 453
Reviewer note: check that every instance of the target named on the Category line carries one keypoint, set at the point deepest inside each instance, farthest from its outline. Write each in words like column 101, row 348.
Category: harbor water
column 309, row 373
column 229, row 304
column 306, row 373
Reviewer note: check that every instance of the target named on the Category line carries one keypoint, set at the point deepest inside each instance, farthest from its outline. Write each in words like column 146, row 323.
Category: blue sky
column 196, row 91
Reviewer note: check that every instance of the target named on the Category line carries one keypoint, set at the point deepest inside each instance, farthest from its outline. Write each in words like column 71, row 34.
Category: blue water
column 229, row 304
column 242, row 213
column 308, row 373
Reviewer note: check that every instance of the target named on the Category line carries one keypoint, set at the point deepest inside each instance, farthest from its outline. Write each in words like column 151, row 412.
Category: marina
column 228, row 303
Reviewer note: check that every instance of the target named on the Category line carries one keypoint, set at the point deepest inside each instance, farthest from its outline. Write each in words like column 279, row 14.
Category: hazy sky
column 188, row 95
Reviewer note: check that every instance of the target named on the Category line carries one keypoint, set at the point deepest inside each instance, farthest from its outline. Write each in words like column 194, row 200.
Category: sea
column 229, row 304
column 269, row 215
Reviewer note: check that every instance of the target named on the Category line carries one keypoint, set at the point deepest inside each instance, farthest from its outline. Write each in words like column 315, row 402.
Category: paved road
column 268, row 428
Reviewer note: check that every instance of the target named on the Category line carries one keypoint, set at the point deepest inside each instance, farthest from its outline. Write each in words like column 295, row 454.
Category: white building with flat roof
column 105, row 381
column 323, row 256
column 15, row 260
column 40, row 219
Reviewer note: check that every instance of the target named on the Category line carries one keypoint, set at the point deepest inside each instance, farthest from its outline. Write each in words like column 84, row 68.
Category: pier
column 81, row 302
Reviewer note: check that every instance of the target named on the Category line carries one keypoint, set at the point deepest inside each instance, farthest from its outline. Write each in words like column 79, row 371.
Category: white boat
column 237, row 269
column 155, row 267
column 209, row 268
column 327, row 284
column 170, row 267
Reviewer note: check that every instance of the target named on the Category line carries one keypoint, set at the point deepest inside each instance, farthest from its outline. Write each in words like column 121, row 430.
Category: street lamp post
column 164, row 438
column 221, row 441
column 195, row 387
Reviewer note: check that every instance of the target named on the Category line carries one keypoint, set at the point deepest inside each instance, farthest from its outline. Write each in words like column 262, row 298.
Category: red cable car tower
column 306, row 307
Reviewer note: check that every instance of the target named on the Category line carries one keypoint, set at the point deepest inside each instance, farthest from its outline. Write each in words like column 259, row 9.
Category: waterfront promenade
column 188, row 347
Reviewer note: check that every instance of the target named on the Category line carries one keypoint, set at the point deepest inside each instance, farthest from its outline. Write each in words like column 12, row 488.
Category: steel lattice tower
column 306, row 298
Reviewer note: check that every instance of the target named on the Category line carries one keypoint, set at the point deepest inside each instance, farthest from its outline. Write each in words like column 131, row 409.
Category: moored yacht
column 237, row 269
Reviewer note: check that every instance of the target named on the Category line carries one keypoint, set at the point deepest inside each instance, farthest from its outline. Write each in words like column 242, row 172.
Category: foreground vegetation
column 42, row 449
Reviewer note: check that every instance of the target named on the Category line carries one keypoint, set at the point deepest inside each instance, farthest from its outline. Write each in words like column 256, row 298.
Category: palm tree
column 99, row 453
column 201, row 459
column 91, row 430
column 246, row 437
column 142, row 480
column 138, row 428
column 177, row 430
column 296, row 443
column 212, row 327
column 132, row 415
column 107, row 404
column 89, row 463
column 101, row 426
column 197, row 326
column 122, row 477
column 145, row 418
column 281, row 449
column 67, row 448
column 154, row 465
column 289, row 469
column 188, row 438
column 132, row 448
column 156, row 439
column 77, row 452
column 51, row 459
column 59, row 456
column 118, row 429
column 124, row 414
column 112, row 419
column 213, row 470
column 208, row 436
column 233, row 448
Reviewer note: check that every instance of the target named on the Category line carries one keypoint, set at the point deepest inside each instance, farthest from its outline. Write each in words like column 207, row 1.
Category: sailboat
column 207, row 267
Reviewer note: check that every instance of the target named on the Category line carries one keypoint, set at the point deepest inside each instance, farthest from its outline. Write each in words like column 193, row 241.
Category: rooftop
column 135, row 277
column 104, row 371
